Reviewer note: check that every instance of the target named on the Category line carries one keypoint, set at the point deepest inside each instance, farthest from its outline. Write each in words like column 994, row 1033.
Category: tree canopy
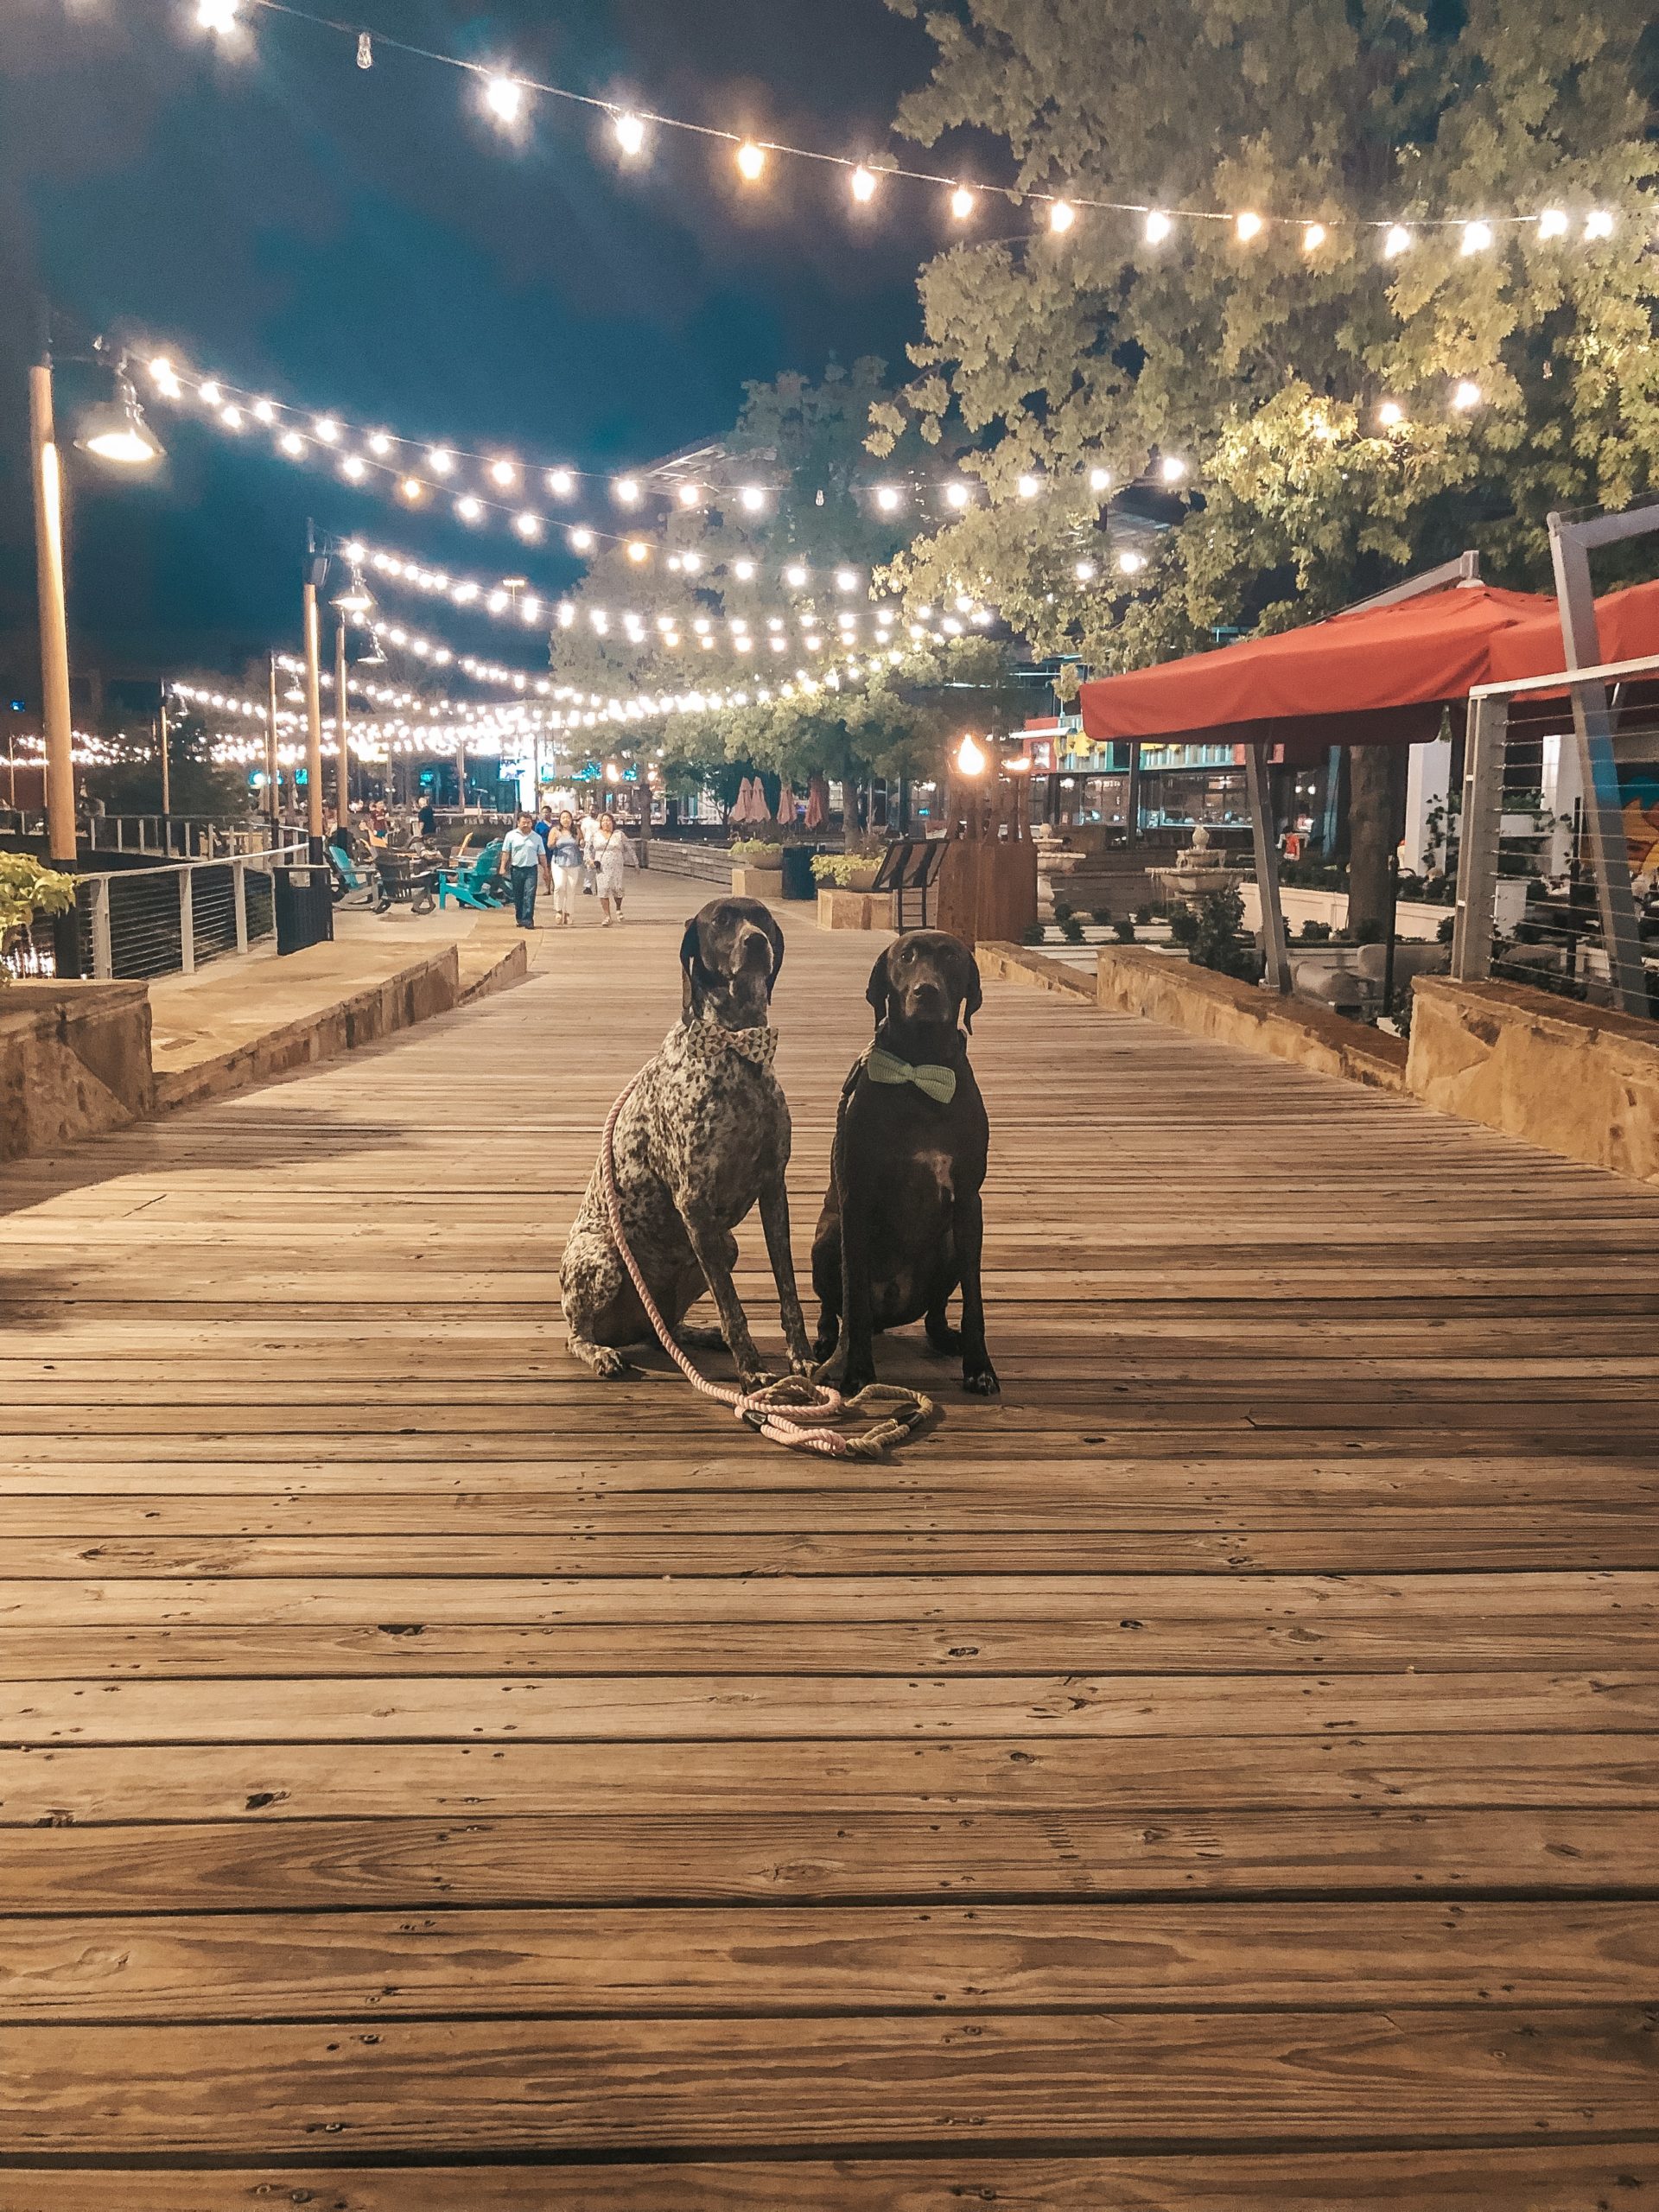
column 1262, row 365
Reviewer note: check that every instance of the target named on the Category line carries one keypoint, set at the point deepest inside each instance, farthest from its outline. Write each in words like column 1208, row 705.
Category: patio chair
column 479, row 885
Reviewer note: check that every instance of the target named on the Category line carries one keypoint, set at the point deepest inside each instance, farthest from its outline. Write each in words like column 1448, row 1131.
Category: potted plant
column 756, row 867
column 846, row 871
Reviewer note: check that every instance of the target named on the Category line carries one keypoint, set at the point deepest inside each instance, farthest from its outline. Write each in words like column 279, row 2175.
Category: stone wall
column 854, row 909
column 1575, row 1079
column 74, row 1062
column 1232, row 1013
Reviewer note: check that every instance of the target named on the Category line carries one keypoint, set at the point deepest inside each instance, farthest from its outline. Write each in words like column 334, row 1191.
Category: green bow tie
column 937, row 1083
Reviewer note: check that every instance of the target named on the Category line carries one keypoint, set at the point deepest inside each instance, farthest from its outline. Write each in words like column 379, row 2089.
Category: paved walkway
column 1218, row 1774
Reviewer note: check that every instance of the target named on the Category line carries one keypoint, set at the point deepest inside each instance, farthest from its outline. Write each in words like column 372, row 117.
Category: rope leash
column 799, row 1412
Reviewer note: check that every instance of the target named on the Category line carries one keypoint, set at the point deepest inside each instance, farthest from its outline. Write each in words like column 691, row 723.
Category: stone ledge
column 854, row 909
column 74, row 1063
column 1577, row 1080
column 1230, row 1013
column 1022, row 963
column 427, row 987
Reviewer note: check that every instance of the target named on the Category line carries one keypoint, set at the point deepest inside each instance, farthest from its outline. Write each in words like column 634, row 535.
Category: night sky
column 368, row 242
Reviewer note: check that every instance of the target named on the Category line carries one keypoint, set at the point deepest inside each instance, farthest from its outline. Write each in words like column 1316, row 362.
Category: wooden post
column 1267, row 869
column 164, row 746
column 342, row 728
column 58, row 727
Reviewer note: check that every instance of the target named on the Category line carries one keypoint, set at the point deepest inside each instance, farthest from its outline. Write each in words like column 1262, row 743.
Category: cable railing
column 145, row 837
column 1531, row 907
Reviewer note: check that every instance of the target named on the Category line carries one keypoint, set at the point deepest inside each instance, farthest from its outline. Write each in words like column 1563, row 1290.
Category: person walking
column 613, row 855
column 589, row 828
column 525, row 862
column 565, row 857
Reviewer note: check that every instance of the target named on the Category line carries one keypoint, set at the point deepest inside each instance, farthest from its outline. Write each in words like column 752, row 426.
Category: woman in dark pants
column 524, row 858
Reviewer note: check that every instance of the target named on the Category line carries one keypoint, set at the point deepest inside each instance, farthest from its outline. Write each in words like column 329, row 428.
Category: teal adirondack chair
column 471, row 887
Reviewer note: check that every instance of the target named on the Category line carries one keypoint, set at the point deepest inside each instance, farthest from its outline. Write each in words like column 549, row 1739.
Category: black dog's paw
column 982, row 1381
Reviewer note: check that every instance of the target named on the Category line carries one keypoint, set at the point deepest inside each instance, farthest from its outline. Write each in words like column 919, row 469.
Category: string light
column 889, row 499
column 216, row 15
column 1171, row 468
column 561, row 483
column 469, row 509
column 958, row 496
column 504, row 474
column 504, row 98
column 1131, row 564
column 1100, row 479
column 1158, row 227
column 1061, row 216
column 626, row 489
column 962, row 203
column 1598, row 224
column 1396, row 240
column 1390, row 414
column 751, row 498
column 1028, row 486
column 751, row 161
column 1247, row 226
column 1477, row 237
column 629, row 132
column 1466, row 395
column 440, row 462
column 690, row 495
column 863, row 186
column 1552, row 224
column 1313, row 237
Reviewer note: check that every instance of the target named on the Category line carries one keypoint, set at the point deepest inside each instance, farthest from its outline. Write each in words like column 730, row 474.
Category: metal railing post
column 1478, row 828
column 1267, row 869
column 102, row 955
column 240, row 892
column 187, row 923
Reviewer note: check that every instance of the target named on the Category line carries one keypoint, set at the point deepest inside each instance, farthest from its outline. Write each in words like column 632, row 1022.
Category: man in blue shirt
column 523, row 855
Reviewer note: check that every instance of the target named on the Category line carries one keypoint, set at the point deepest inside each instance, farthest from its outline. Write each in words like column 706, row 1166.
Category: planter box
column 74, row 1062
column 762, row 883
column 1416, row 923
column 855, row 910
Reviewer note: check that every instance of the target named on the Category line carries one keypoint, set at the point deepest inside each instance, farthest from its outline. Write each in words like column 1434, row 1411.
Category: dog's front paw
column 606, row 1361
column 982, row 1382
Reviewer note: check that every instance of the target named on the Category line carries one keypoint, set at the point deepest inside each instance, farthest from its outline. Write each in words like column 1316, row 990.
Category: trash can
column 304, row 908
column 799, row 882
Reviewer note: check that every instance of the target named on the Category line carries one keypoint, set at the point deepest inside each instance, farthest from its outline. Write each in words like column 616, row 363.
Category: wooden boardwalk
column 1218, row 1774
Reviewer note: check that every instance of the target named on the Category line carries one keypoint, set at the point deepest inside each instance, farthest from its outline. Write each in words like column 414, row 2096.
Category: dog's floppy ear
column 881, row 988
column 777, row 935
column 691, row 954
column 975, row 998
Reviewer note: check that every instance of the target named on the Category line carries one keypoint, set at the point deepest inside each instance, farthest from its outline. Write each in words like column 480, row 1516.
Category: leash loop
column 799, row 1412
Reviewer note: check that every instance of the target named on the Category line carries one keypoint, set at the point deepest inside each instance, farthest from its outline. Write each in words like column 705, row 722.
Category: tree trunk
column 1376, row 788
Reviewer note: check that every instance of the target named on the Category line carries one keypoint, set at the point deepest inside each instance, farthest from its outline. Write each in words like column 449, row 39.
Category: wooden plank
column 980, row 1958
column 439, row 2088
column 629, row 1708
column 801, row 1857
column 354, row 1780
column 1550, row 2178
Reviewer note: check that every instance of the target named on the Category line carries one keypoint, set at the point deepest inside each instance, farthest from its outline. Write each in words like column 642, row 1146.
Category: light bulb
column 528, row 525
column 292, row 444
column 795, row 576
column 638, row 550
column 1313, row 237
column 1061, row 216
column 962, row 203
column 1598, row 224
column 744, row 571
column 440, row 460
column 1396, row 241
column 1027, row 486
column 1466, row 395
column 1390, row 414
column 561, row 483
column 970, row 758
column 629, row 133
column 752, row 499
column 210, row 394
column 689, row 494
column 1159, row 226
column 1100, row 479
column 1130, row 564
column 1085, row 572
column 469, row 509
column 1552, row 224
column 751, row 160
column 626, row 491
column 888, row 498
column 957, row 496
column 863, row 186
column 1477, row 237
column 580, row 541
column 1247, row 226
column 847, row 580
column 504, row 473
column 504, row 98
column 231, row 417
column 691, row 563
column 354, row 468
column 263, row 412
column 412, row 489
column 216, row 15
column 1171, row 468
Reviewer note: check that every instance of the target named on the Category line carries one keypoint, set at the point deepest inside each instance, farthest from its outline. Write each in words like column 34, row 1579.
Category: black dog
column 902, row 1225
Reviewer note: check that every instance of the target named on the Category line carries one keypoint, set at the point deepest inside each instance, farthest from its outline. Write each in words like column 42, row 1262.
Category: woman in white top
column 565, row 858
column 613, row 854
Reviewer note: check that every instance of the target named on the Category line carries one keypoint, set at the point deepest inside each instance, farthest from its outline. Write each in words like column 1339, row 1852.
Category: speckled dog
column 704, row 1134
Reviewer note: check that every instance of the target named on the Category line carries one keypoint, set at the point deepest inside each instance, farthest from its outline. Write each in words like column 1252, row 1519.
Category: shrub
column 847, row 871
column 1071, row 929
column 757, row 852
column 1184, row 925
column 1143, row 915
column 1315, row 933
column 1124, row 931
column 1033, row 933
column 1443, row 935
column 1104, row 916
column 1063, row 910
column 1367, row 932
column 27, row 889
column 1219, row 940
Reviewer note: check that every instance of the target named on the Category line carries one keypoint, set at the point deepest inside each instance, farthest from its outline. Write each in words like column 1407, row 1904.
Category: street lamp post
column 56, row 726
column 316, row 567
column 273, row 772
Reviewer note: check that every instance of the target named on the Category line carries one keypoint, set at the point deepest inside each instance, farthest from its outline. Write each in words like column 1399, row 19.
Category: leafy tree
column 1263, row 365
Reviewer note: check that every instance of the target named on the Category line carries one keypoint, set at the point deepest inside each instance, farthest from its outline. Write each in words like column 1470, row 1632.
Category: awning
column 1376, row 676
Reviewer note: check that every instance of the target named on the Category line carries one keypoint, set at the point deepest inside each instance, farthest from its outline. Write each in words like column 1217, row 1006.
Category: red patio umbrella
column 1386, row 671
column 1627, row 628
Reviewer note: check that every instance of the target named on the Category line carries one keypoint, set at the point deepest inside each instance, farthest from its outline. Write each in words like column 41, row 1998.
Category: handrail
column 296, row 853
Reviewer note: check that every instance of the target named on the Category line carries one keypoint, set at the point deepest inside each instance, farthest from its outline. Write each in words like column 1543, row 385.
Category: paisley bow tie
column 709, row 1038
column 935, row 1082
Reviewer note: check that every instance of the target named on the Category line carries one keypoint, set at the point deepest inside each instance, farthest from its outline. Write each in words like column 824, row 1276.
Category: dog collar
column 708, row 1040
column 934, row 1081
